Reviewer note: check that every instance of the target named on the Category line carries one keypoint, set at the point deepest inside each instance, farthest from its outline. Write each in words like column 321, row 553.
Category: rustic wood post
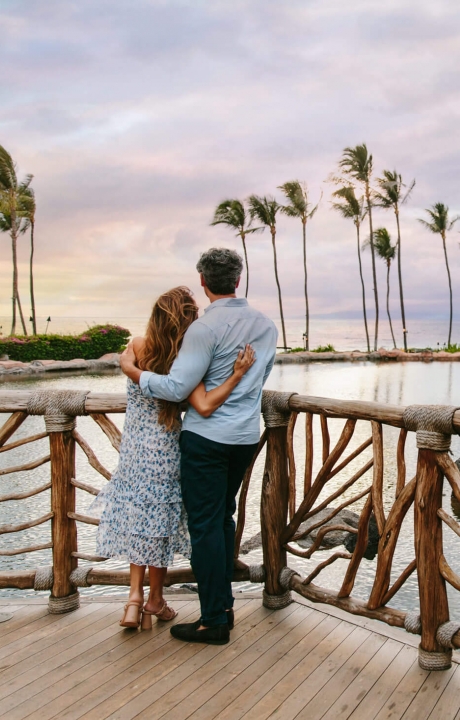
column 434, row 606
column 60, row 408
column 434, row 429
column 275, row 496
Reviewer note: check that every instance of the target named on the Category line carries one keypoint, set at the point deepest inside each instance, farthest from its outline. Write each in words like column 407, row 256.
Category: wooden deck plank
column 189, row 659
column 403, row 694
column 66, row 685
column 372, row 703
column 110, row 694
column 428, row 695
column 214, row 691
column 294, row 663
column 22, row 621
column 314, row 627
column 447, row 707
column 336, row 633
column 343, row 678
column 39, row 640
column 365, row 680
column 56, row 655
column 307, row 690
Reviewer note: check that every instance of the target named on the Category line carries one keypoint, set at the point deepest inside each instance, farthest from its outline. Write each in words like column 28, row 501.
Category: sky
column 137, row 117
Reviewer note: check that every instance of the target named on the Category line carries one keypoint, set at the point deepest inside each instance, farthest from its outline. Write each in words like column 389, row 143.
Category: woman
column 143, row 519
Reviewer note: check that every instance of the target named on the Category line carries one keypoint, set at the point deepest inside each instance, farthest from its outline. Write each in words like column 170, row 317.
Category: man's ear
column 203, row 284
column 238, row 282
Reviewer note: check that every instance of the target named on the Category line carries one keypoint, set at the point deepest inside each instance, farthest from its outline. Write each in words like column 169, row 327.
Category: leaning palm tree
column 440, row 224
column 393, row 194
column 12, row 193
column 300, row 207
column 353, row 208
column 356, row 163
column 387, row 252
column 265, row 209
column 233, row 214
column 27, row 210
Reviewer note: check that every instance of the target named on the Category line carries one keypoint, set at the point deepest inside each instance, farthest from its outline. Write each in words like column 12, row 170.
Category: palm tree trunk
column 374, row 273
column 31, row 278
column 307, row 310
column 15, row 281
column 388, row 303
column 246, row 261
column 450, row 287
column 362, row 286
column 401, row 296
column 273, row 232
column 21, row 314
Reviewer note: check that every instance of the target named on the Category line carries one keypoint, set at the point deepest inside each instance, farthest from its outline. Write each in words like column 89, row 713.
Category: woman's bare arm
column 206, row 402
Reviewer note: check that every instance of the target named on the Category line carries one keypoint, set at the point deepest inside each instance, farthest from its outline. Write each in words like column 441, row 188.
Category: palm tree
column 352, row 208
column 28, row 211
column 233, row 214
column 440, row 224
column 393, row 195
column 356, row 163
column 12, row 198
column 387, row 252
column 265, row 209
column 299, row 207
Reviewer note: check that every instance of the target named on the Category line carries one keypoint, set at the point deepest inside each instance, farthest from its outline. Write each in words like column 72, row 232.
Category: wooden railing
column 289, row 514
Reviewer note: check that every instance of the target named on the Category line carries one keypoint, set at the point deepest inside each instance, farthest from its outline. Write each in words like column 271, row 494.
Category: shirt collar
column 223, row 302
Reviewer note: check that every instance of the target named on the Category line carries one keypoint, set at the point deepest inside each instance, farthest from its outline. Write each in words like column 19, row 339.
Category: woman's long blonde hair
column 172, row 314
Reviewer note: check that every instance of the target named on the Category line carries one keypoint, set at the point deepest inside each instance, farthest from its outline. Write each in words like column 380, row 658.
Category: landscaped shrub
column 93, row 343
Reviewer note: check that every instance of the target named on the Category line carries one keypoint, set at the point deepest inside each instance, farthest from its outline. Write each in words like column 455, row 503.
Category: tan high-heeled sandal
column 166, row 614
column 132, row 615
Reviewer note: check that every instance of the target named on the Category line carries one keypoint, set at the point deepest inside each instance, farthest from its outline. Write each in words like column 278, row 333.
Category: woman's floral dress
column 142, row 518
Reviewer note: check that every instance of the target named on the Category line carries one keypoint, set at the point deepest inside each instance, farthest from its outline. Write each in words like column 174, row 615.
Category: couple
column 219, row 364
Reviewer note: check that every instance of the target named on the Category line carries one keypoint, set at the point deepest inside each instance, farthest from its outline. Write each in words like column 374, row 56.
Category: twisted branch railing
column 290, row 515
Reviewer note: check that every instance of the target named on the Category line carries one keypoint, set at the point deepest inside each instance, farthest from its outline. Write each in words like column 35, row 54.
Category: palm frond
column 439, row 216
column 356, row 162
column 383, row 245
column 265, row 209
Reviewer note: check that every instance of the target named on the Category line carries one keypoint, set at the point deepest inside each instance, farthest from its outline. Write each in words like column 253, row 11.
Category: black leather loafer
column 188, row 632
column 230, row 619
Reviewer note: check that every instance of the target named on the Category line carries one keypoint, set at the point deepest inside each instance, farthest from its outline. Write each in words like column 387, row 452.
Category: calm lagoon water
column 397, row 383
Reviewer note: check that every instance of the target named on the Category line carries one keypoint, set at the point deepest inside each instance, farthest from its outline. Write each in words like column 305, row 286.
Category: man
column 215, row 451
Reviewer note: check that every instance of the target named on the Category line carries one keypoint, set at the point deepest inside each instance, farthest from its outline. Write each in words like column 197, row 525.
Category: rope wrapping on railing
column 446, row 632
column 56, row 605
column 44, row 578
column 433, row 425
column 59, row 408
column 285, row 577
column 79, row 576
column 275, row 408
column 413, row 623
column 434, row 660
column 256, row 573
column 277, row 602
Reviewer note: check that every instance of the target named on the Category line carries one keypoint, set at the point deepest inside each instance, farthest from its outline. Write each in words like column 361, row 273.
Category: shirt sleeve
column 188, row 369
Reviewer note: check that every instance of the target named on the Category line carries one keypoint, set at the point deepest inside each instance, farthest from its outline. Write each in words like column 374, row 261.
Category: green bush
column 324, row 348
column 93, row 343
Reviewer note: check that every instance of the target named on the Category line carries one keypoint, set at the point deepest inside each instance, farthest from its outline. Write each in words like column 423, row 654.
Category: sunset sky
column 137, row 117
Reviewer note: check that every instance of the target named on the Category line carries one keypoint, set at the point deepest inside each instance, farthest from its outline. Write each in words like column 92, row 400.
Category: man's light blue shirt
column 209, row 350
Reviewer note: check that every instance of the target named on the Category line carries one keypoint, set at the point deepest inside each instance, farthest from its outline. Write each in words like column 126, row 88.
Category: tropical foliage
column 439, row 223
column 299, row 206
column 233, row 214
column 392, row 194
column 93, row 343
column 387, row 251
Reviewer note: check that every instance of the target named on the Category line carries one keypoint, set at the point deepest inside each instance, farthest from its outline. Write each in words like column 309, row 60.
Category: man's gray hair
column 221, row 269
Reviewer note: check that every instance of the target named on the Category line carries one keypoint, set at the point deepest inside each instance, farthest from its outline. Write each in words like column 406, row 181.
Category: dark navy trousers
column 211, row 475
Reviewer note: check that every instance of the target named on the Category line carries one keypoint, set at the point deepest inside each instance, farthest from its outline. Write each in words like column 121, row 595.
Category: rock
column 332, row 539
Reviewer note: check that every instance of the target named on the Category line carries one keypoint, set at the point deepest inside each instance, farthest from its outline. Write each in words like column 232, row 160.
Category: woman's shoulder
column 138, row 345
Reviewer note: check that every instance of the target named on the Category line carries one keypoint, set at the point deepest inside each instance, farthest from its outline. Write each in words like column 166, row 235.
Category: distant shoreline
column 15, row 370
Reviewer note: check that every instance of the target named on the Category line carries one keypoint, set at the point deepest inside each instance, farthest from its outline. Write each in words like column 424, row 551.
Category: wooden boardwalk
column 300, row 662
